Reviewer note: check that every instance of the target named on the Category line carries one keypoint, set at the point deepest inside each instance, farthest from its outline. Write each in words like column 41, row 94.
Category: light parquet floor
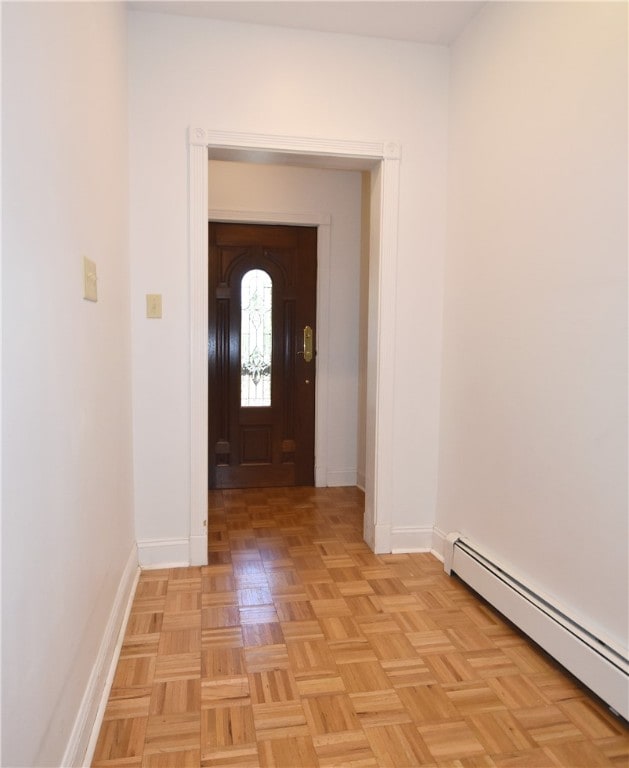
column 296, row 646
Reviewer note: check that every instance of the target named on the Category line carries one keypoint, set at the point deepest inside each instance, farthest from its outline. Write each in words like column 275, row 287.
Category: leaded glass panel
column 256, row 339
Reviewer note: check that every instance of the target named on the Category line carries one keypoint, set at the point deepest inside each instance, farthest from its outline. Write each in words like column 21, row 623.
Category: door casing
column 322, row 221
column 382, row 158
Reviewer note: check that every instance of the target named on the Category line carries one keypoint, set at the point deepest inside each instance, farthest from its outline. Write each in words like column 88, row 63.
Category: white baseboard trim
column 360, row 481
column 438, row 543
column 381, row 543
column 335, row 478
column 164, row 553
column 198, row 550
column 82, row 742
column 411, row 538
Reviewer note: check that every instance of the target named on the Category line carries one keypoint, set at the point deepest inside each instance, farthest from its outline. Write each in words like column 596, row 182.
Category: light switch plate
column 154, row 305
column 89, row 280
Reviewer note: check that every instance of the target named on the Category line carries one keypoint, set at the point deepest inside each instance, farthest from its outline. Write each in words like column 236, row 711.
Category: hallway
column 297, row 646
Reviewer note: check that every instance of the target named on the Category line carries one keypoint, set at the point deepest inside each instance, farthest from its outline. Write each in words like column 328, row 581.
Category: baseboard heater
column 597, row 664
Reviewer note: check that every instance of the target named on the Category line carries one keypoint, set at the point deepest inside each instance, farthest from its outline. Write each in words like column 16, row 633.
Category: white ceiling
column 434, row 21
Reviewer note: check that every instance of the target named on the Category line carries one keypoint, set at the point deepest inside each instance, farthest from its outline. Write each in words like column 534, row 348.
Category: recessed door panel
column 255, row 445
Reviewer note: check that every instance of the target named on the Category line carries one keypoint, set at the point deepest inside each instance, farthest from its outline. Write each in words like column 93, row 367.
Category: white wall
column 256, row 79
column 533, row 462
column 293, row 190
column 67, row 485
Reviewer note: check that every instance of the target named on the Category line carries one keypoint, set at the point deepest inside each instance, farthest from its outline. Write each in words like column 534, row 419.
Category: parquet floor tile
column 297, row 646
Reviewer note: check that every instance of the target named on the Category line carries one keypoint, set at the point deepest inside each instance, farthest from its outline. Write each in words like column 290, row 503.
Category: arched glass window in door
column 256, row 339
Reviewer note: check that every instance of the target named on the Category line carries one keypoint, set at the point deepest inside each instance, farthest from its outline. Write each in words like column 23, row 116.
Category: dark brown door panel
column 269, row 439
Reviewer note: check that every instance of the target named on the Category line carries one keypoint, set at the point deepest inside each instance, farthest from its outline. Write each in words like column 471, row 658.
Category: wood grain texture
column 297, row 646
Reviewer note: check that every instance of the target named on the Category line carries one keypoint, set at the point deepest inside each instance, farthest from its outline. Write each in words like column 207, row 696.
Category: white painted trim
column 322, row 357
column 592, row 657
column 323, row 223
column 411, row 538
column 200, row 140
column 360, row 481
column 82, row 742
column 385, row 362
column 198, row 552
column 269, row 217
column 381, row 540
column 449, row 541
column 198, row 300
column 436, row 554
column 299, row 145
column 337, row 478
column 166, row 553
column 438, row 543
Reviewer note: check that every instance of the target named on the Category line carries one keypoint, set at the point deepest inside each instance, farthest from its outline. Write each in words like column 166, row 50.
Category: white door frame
column 322, row 222
column 381, row 345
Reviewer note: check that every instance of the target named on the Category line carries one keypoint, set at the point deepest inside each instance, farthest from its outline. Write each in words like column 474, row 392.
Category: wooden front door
column 262, row 303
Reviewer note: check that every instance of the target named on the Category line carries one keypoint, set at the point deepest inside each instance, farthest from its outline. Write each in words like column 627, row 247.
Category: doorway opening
column 381, row 160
